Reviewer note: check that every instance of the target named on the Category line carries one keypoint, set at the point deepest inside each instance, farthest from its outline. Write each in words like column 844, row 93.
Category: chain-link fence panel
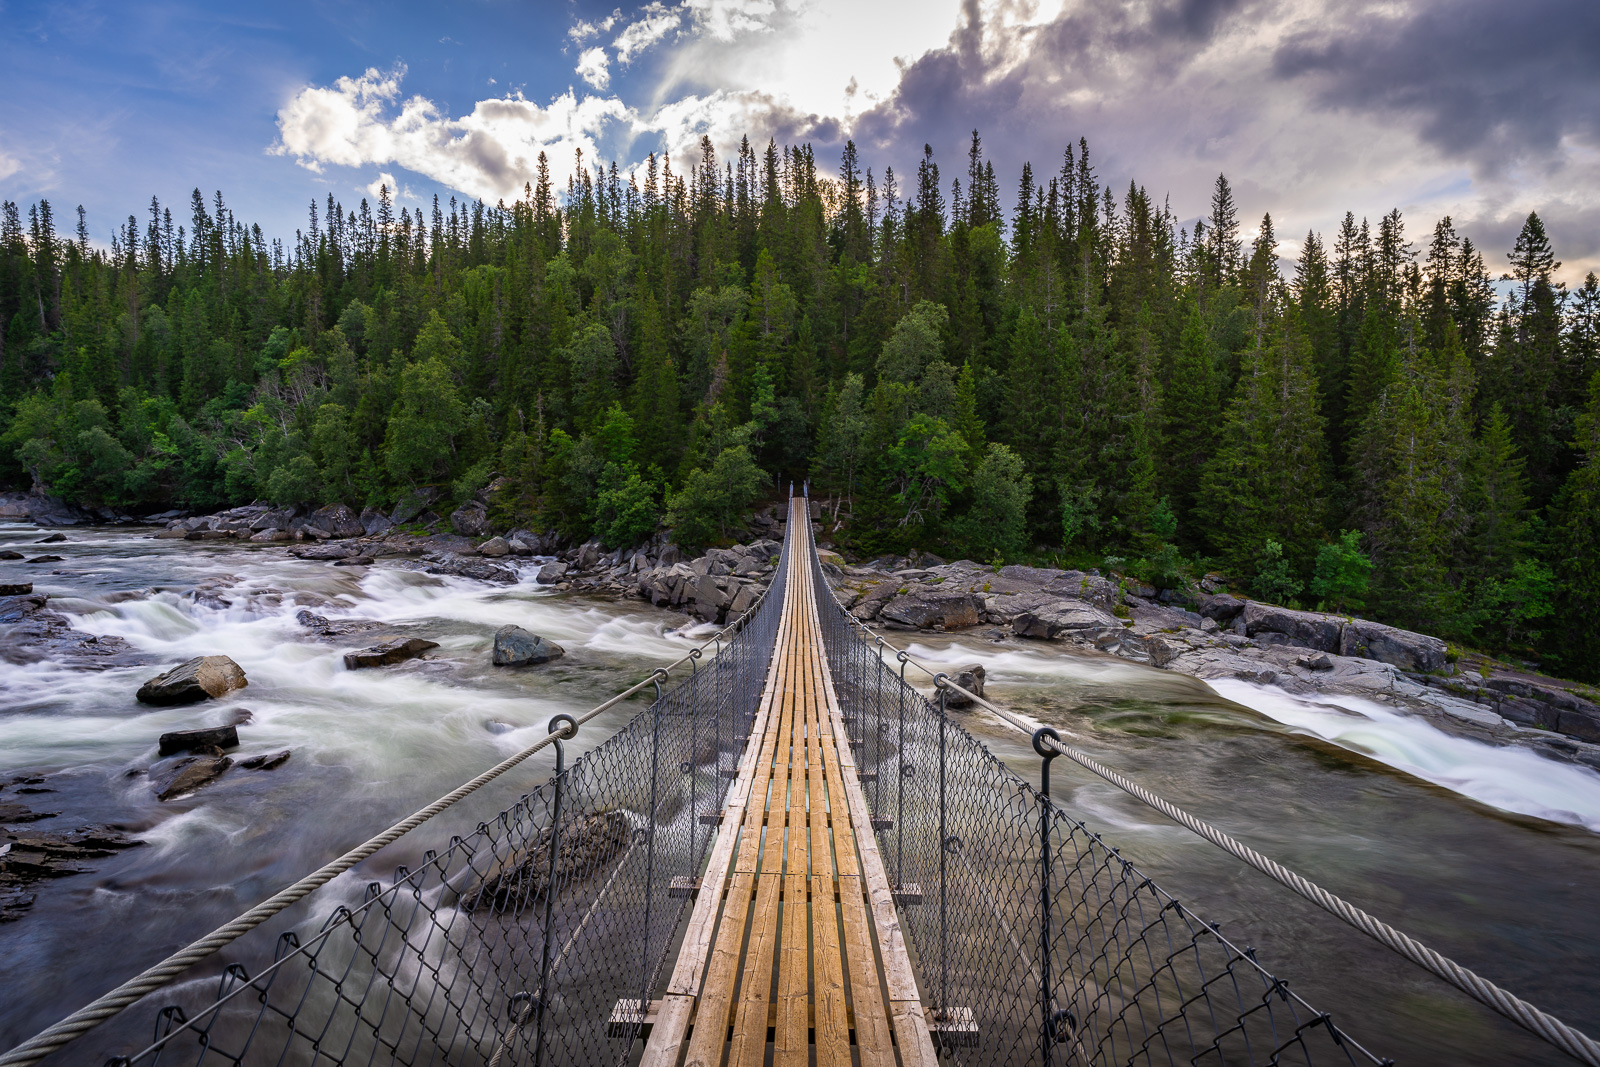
column 1035, row 941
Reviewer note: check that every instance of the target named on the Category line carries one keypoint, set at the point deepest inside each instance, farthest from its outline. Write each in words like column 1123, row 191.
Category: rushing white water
column 1509, row 778
column 1506, row 777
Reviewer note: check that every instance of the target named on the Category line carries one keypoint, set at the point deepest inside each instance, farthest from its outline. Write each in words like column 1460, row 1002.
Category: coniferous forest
column 1056, row 372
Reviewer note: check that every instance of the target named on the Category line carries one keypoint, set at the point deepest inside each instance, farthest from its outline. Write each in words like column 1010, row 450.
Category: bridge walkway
column 794, row 941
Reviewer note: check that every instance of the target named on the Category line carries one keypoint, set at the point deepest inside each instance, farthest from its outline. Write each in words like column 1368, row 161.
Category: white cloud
column 8, row 165
column 585, row 30
column 723, row 20
column 490, row 152
column 642, row 34
column 593, row 68
column 397, row 191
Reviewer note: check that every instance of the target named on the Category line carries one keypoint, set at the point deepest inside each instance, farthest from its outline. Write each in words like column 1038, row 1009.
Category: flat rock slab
column 516, row 647
column 189, row 774
column 8, row 554
column 45, row 559
column 478, row 569
column 266, row 761
column 202, row 678
column 322, row 626
column 324, row 552
column 186, row 740
column 387, row 653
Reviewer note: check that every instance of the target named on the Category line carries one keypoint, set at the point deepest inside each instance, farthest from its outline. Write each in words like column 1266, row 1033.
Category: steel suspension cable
column 113, row 1003
column 1542, row 1024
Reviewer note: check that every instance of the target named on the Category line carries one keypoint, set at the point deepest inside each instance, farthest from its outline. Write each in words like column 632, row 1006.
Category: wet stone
column 516, row 647
column 218, row 737
column 387, row 653
column 266, row 761
column 202, row 678
column 189, row 774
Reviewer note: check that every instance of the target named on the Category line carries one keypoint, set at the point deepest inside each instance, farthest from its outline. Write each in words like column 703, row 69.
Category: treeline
column 1083, row 380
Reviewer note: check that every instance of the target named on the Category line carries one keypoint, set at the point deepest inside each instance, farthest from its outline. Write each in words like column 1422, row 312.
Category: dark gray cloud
column 1488, row 80
column 1479, row 109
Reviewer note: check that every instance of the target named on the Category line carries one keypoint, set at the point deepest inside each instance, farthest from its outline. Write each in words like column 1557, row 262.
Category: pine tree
column 1190, row 410
column 1576, row 546
column 1266, row 481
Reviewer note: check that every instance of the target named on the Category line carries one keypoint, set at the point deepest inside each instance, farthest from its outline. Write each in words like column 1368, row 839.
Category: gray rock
column 1308, row 629
column 516, row 647
column 1063, row 618
column 189, row 774
column 202, row 678
column 374, row 522
column 470, row 519
column 211, row 737
column 51, row 539
column 1387, row 644
column 388, row 653
column 927, row 608
column 339, row 521
column 413, row 505
column 322, row 626
column 266, row 761
column 353, row 561
column 324, row 551
column 52, row 559
column 16, row 589
column 969, row 678
column 477, row 569
column 8, row 554
column 495, row 546
column 551, row 573
column 269, row 535
column 1222, row 607
column 1317, row 662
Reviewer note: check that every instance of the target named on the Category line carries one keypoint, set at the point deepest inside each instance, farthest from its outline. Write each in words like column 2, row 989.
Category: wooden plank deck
column 793, row 942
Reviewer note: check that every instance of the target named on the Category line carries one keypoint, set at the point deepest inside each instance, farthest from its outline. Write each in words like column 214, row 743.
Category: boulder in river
column 51, row 539
column 8, row 554
column 45, row 559
column 388, row 653
column 202, row 678
column 322, row 626
column 209, row 737
column 266, row 761
column 969, row 678
column 35, row 855
column 189, row 774
column 933, row 608
column 586, row 845
column 516, row 647
column 16, row 589
column 479, row 569
column 551, row 573
column 323, row 551
column 495, row 546
column 338, row 520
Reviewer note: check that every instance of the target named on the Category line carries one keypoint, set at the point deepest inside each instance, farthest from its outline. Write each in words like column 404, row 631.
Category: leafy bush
column 711, row 501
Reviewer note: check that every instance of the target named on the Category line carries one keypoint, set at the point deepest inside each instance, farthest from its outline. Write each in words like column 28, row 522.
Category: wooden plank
column 904, row 1007
column 716, row 1002
column 755, row 984
column 832, row 1007
column 791, row 1037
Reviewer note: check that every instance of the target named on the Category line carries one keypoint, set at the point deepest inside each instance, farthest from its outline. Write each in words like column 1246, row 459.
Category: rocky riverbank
column 1207, row 636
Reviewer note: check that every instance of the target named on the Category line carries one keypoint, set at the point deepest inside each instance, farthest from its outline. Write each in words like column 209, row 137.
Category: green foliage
column 1076, row 380
column 1342, row 573
column 995, row 523
column 710, row 502
column 1275, row 580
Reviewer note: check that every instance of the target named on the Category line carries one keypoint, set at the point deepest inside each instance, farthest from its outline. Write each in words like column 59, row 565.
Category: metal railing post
column 1049, row 1019
column 543, row 996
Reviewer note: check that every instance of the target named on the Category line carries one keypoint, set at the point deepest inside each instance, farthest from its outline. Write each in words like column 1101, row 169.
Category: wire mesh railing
column 517, row 943
column 1036, row 941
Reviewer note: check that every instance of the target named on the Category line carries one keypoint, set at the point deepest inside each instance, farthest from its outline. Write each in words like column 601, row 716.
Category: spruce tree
column 1191, row 413
column 1576, row 549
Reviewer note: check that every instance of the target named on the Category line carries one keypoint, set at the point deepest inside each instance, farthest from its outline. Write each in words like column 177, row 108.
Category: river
column 1489, row 855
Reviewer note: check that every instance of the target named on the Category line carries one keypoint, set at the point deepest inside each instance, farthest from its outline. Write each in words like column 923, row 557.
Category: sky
column 1478, row 109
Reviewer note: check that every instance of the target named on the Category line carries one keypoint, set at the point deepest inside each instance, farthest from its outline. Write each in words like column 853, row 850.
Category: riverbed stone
column 51, row 539
column 551, row 573
column 1389, row 644
column 266, row 761
column 495, row 546
column 16, row 589
column 209, row 737
column 202, row 678
column 189, row 774
column 516, row 647
column 933, row 608
column 969, row 677
column 324, row 551
column 388, row 653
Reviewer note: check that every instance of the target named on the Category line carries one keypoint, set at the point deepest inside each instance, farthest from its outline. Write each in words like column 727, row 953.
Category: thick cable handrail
column 113, row 1003
column 1536, row 1021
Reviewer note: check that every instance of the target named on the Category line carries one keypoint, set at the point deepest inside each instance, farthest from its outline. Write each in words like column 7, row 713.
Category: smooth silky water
column 1489, row 855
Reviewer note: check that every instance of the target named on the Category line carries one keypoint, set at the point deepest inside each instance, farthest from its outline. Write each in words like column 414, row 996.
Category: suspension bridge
column 791, row 853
